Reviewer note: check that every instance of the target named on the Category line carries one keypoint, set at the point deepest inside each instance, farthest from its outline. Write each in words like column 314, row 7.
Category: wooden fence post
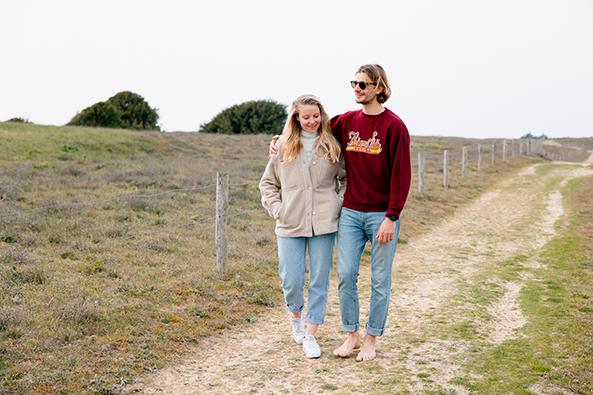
column 479, row 157
column 222, row 198
column 493, row 153
column 421, row 172
column 446, row 169
column 513, row 153
column 504, row 150
column 529, row 148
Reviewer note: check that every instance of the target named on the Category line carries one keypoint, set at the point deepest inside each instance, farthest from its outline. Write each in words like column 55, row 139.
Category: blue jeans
column 292, row 268
column 355, row 229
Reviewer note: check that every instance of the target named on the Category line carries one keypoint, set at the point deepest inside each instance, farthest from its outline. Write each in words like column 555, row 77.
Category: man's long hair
column 379, row 77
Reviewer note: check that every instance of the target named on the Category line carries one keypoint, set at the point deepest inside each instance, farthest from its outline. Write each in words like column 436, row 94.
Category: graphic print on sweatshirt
column 370, row 146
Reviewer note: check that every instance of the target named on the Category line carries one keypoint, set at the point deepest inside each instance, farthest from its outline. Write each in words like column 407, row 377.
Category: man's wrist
column 392, row 218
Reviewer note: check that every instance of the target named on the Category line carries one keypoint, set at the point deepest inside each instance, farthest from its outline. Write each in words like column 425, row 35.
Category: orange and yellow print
column 370, row 146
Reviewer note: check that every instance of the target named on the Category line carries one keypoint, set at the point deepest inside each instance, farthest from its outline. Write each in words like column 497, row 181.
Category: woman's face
column 309, row 117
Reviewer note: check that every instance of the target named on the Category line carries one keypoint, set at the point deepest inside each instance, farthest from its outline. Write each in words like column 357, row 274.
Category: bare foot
column 367, row 351
column 351, row 343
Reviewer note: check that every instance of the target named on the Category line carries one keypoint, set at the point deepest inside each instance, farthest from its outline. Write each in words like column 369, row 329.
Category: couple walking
column 345, row 180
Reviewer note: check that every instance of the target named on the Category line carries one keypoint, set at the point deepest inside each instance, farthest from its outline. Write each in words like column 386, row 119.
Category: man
column 376, row 146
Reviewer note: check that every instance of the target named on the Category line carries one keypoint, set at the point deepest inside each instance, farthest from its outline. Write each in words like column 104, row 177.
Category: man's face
column 367, row 95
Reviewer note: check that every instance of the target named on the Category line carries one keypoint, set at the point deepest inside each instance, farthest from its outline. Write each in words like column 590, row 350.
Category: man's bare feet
column 367, row 351
column 351, row 343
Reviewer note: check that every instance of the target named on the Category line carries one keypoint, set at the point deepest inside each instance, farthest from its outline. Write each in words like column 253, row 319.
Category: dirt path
column 429, row 284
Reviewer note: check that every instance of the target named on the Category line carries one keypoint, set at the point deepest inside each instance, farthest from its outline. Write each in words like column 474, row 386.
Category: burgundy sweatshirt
column 378, row 168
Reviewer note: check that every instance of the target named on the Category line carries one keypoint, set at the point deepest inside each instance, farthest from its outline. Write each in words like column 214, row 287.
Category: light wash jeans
column 292, row 268
column 355, row 229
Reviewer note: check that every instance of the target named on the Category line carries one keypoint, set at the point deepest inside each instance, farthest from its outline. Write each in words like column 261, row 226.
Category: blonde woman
column 303, row 188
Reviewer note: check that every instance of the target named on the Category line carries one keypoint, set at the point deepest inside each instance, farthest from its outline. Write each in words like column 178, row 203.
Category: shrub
column 534, row 136
column 135, row 111
column 126, row 110
column 8, row 238
column 19, row 120
column 102, row 114
column 258, row 116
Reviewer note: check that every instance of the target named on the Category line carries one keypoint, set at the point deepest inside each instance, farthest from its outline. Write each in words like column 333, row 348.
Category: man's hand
column 273, row 150
column 386, row 231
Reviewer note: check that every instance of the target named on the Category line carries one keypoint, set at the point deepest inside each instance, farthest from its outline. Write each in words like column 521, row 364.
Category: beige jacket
column 305, row 199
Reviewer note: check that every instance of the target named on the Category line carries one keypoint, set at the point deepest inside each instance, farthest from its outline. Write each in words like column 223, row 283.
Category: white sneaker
column 298, row 329
column 310, row 347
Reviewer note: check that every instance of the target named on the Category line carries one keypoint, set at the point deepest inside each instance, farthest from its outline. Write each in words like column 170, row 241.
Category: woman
column 303, row 188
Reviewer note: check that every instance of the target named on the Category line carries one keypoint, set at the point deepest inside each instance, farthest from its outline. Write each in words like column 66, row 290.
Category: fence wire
column 455, row 157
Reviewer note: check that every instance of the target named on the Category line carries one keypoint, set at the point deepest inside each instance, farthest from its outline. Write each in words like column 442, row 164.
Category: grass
column 107, row 263
column 555, row 347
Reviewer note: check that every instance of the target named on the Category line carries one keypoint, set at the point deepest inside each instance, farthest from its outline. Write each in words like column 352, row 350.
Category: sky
column 467, row 68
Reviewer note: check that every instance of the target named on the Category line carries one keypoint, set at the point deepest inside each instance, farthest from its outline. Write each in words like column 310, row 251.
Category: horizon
column 536, row 137
column 456, row 69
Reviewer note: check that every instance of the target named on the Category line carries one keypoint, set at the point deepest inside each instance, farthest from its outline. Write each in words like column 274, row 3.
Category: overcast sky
column 458, row 68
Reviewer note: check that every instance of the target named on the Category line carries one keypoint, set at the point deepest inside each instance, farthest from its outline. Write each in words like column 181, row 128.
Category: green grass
column 555, row 347
column 107, row 260
column 68, row 142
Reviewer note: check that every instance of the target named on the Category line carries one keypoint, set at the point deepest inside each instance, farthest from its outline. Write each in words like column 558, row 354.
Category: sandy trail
column 429, row 273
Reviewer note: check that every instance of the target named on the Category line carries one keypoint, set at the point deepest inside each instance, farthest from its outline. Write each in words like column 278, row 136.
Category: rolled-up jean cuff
column 350, row 328
column 374, row 331
column 294, row 309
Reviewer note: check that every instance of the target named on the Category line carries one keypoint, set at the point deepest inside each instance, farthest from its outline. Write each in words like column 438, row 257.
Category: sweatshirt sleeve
column 269, row 187
column 336, row 125
column 401, row 171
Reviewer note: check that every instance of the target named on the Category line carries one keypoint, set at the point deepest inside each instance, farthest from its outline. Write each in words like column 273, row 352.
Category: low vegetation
column 107, row 262
column 251, row 117
column 554, row 352
column 127, row 110
column 18, row 120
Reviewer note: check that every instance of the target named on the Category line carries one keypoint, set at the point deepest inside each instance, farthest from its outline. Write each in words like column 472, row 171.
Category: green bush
column 135, row 111
column 99, row 114
column 19, row 120
column 126, row 110
column 534, row 136
column 252, row 117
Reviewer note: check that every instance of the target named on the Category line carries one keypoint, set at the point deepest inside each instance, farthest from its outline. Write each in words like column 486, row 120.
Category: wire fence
column 478, row 157
column 469, row 158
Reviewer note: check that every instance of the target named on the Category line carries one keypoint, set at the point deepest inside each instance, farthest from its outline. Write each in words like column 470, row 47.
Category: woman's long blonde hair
column 326, row 144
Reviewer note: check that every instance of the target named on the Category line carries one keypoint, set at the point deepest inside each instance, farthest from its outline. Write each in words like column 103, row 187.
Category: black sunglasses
column 362, row 84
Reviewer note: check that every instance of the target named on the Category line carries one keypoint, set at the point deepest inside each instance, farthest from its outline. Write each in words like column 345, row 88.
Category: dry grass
column 106, row 253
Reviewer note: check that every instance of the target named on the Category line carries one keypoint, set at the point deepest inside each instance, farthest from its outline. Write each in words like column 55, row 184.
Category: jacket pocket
column 292, row 211
column 291, row 175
